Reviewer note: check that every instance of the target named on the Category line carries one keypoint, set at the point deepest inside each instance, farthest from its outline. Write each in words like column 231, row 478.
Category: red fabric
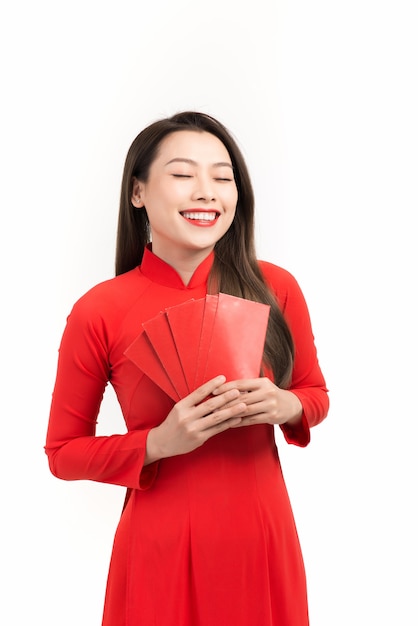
column 206, row 538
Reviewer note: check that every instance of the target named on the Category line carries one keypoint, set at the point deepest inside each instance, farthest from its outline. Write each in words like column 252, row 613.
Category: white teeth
column 193, row 215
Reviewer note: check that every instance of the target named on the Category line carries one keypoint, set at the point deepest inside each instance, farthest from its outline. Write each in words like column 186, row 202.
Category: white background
column 322, row 97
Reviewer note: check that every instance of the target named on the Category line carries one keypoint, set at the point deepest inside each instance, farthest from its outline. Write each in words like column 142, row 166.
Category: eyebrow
column 191, row 162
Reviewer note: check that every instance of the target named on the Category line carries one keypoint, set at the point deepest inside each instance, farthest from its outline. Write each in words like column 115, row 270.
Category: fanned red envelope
column 208, row 323
column 188, row 344
column 161, row 338
column 186, row 326
column 144, row 356
column 238, row 336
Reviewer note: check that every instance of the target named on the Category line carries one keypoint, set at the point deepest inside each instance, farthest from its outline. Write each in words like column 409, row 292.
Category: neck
column 185, row 262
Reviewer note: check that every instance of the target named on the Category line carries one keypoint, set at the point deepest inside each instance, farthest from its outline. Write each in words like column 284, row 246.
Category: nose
column 204, row 189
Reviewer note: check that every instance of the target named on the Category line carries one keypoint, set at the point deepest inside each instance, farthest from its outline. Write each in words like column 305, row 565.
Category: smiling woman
column 207, row 535
column 190, row 196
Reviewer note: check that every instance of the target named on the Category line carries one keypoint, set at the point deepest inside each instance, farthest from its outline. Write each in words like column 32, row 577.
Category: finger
column 253, row 398
column 245, row 384
column 241, row 398
column 249, row 421
column 223, row 418
column 198, row 395
column 217, row 403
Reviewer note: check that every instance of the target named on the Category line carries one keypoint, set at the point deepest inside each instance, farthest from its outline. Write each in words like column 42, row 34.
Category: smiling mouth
column 200, row 216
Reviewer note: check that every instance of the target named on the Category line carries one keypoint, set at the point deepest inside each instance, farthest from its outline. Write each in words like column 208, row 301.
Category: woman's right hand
column 193, row 420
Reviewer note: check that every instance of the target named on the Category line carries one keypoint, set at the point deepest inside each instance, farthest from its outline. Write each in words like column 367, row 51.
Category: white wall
column 322, row 97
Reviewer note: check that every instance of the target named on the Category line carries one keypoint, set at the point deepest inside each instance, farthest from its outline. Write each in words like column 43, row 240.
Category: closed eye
column 217, row 178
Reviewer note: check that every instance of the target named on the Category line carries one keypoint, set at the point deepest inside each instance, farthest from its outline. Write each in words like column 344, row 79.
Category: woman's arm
column 74, row 451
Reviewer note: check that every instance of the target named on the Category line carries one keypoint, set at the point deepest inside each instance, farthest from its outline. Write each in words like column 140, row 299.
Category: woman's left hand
column 266, row 403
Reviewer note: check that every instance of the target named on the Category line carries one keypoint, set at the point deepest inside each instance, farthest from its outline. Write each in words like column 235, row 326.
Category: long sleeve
column 308, row 382
column 74, row 451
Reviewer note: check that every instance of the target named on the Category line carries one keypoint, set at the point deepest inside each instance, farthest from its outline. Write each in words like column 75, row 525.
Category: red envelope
column 144, row 356
column 209, row 315
column 238, row 337
column 186, row 326
column 160, row 336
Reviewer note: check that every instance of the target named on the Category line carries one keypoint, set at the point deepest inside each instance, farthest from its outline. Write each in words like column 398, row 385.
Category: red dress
column 206, row 538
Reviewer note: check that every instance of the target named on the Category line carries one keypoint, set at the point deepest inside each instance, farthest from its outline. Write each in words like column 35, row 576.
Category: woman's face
column 190, row 196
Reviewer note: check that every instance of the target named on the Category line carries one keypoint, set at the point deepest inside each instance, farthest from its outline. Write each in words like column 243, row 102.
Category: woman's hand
column 265, row 402
column 194, row 419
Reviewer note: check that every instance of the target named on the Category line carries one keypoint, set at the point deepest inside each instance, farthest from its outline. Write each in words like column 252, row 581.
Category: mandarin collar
column 162, row 273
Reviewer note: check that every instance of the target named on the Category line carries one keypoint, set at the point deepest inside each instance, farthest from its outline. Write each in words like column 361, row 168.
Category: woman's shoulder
column 281, row 281
column 277, row 276
column 112, row 295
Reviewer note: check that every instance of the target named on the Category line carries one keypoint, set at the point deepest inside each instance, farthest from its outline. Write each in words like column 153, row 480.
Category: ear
column 136, row 198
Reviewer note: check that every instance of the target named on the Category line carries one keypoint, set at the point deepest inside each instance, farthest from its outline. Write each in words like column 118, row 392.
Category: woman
column 207, row 535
